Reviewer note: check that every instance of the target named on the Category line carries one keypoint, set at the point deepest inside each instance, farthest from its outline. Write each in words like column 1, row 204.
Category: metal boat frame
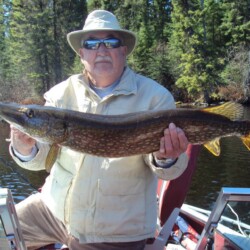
column 10, row 232
column 226, row 195
column 211, row 221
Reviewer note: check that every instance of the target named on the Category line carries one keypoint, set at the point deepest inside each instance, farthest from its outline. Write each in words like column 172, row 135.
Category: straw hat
column 101, row 20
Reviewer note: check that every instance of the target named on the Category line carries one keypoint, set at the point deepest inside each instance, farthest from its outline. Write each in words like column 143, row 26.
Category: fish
column 128, row 134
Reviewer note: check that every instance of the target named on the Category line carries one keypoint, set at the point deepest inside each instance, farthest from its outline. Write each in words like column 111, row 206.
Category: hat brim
column 74, row 38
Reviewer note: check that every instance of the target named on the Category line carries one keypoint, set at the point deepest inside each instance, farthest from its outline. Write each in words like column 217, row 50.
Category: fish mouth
column 27, row 119
column 13, row 114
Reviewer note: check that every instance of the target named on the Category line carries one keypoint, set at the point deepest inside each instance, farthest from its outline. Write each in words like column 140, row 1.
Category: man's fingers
column 173, row 143
column 182, row 139
column 162, row 145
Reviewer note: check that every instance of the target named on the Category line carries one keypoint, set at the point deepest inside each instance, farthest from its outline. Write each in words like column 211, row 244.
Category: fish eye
column 30, row 113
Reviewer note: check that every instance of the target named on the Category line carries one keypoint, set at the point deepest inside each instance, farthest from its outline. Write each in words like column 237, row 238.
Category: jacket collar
column 126, row 86
column 127, row 83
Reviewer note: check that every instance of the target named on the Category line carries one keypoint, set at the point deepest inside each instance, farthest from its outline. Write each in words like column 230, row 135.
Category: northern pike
column 126, row 134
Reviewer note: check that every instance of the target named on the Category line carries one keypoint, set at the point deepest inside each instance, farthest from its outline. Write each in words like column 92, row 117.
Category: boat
column 193, row 228
column 180, row 226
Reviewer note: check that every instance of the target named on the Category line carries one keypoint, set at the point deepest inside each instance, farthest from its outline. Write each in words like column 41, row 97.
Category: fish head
column 34, row 120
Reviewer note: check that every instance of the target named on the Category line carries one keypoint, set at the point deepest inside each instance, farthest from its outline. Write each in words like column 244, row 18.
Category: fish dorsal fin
column 213, row 146
column 232, row 110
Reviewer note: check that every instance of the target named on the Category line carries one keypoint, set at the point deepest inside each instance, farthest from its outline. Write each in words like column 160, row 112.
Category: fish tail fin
column 232, row 110
column 246, row 141
column 213, row 146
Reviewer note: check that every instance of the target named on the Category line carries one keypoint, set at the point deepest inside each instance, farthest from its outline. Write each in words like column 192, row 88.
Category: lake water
column 231, row 168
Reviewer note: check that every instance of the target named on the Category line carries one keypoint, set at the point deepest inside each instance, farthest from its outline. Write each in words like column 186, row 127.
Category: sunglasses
column 94, row 44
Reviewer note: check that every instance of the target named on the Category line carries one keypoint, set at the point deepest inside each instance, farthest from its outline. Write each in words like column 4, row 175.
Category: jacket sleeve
column 170, row 173
column 165, row 100
column 38, row 162
column 53, row 98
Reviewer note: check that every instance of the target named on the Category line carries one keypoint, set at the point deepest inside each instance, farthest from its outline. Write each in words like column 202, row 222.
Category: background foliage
column 198, row 49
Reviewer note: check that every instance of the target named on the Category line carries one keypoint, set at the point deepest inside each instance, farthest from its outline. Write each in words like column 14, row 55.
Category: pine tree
column 236, row 21
column 94, row 4
column 5, row 7
column 38, row 33
column 150, row 21
column 185, row 42
column 192, row 48
column 161, row 30
column 235, row 29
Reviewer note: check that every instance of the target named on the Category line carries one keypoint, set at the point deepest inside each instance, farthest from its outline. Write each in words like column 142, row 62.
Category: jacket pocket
column 56, row 189
column 120, row 207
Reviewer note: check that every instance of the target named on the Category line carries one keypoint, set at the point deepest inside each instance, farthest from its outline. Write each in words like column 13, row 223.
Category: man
column 90, row 202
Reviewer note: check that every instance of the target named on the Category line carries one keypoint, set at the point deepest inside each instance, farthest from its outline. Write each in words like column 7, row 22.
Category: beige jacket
column 105, row 199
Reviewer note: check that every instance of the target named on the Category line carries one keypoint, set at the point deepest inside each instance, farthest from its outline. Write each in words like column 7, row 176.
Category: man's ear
column 125, row 49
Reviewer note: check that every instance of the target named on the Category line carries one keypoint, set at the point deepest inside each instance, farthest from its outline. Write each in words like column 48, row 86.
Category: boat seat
column 171, row 196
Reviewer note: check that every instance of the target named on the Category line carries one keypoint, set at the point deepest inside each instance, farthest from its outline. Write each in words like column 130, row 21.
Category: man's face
column 104, row 62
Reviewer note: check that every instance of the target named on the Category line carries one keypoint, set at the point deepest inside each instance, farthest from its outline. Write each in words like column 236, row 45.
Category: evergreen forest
column 198, row 49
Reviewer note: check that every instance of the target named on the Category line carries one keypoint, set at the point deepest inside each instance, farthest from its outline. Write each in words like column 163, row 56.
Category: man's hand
column 21, row 142
column 172, row 144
